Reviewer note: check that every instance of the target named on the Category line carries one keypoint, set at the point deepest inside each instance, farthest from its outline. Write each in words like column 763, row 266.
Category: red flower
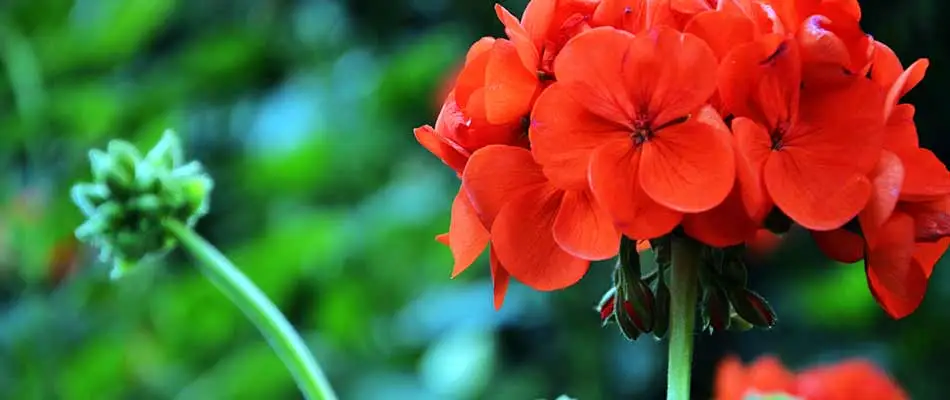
column 795, row 137
column 620, row 115
column 543, row 234
column 497, row 84
column 851, row 379
column 453, row 140
column 544, row 29
column 502, row 82
column 907, row 220
column 648, row 115
column 457, row 134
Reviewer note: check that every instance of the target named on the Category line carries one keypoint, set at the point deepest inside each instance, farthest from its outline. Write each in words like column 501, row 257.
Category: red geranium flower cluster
column 594, row 119
column 766, row 378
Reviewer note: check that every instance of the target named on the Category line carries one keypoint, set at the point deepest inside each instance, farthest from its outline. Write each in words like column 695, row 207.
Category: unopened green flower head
column 131, row 195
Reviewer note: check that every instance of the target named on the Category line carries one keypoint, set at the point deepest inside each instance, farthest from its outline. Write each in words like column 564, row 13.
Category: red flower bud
column 753, row 308
column 715, row 310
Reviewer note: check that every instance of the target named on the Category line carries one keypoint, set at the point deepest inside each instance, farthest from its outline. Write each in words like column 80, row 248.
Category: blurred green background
column 303, row 111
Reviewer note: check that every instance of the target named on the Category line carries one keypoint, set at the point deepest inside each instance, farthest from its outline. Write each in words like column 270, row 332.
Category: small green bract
column 132, row 195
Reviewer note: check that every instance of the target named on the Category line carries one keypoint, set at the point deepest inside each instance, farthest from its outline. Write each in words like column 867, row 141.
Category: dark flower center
column 778, row 133
column 641, row 130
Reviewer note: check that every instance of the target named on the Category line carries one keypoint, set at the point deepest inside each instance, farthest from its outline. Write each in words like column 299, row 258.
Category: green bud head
column 131, row 196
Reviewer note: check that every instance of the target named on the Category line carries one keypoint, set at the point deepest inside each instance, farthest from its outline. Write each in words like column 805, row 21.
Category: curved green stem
column 684, row 291
column 259, row 309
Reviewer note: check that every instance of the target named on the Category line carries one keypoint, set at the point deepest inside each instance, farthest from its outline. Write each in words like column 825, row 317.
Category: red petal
column 634, row 16
column 852, row 379
column 688, row 167
column 761, row 80
column 886, row 181
column 905, row 82
column 584, row 229
column 690, row 6
column 895, row 280
column 537, row 19
column 467, row 236
column 753, row 147
column 442, row 238
column 509, row 87
column 767, row 375
column 564, row 135
column 726, row 225
column 466, row 132
column 472, row 76
column 496, row 174
column 850, row 8
column 483, row 45
column 885, row 66
column 616, row 186
column 931, row 219
column 499, row 278
column 523, row 238
column 840, row 245
column 527, row 49
column 926, row 255
column 793, row 12
column 807, row 178
column 926, row 177
column 815, row 198
column 834, row 41
column 672, row 72
column 722, row 30
column 591, row 67
column 901, row 132
column 732, row 382
column 430, row 140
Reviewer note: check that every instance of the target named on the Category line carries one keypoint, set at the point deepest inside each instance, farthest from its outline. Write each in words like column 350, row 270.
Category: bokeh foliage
column 302, row 111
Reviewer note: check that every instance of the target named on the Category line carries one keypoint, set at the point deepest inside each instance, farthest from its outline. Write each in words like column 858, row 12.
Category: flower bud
column 131, row 196
column 606, row 306
column 753, row 308
column 101, row 163
column 125, row 156
column 629, row 258
column 627, row 325
column 167, row 154
column 735, row 273
column 715, row 310
column 737, row 324
column 639, row 303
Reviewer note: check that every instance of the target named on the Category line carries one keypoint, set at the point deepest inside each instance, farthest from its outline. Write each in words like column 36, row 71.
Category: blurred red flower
column 850, row 379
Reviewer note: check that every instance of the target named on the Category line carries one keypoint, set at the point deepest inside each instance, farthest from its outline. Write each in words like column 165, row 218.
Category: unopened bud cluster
column 131, row 195
column 727, row 303
column 639, row 300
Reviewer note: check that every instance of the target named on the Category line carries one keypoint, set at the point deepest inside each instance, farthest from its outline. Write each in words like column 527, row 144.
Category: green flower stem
column 258, row 308
column 684, row 290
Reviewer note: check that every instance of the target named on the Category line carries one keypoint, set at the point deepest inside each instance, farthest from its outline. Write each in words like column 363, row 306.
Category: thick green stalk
column 684, row 291
column 259, row 309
